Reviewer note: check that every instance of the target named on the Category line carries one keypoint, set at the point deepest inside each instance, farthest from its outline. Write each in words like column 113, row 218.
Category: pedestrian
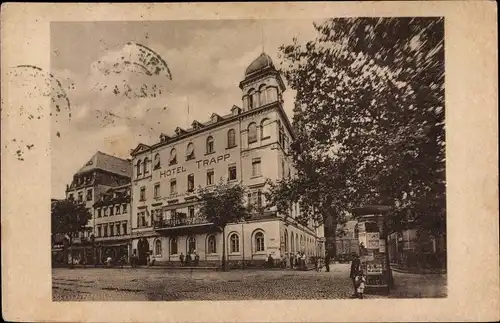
column 360, row 283
column 291, row 260
column 270, row 261
column 303, row 261
column 355, row 268
column 181, row 258
column 327, row 262
column 196, row 258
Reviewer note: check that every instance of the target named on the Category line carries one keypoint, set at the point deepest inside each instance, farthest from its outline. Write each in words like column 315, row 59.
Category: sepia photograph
column 248, row 159
column 249, row 162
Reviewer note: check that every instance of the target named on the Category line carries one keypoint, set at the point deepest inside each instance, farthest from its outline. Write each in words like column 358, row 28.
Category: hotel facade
column 248, row 145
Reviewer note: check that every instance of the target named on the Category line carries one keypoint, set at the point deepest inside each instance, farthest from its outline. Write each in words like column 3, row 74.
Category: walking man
column 355, row 268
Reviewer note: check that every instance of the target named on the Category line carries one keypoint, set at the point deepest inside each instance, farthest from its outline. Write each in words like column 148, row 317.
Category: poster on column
column 372, row 240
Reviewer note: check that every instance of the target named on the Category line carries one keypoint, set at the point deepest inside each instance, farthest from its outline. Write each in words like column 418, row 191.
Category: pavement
column 148, row 284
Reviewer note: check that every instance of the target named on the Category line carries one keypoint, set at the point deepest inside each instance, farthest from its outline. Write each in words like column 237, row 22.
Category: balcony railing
column 178, row 221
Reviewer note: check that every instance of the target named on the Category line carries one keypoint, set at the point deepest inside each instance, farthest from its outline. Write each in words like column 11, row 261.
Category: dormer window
column 215, row 118
column 210, row 145
column 235, row 110
column 179, row 131
column 190, row 151
column 164, row 137
column 196, row 125
column 173, row 157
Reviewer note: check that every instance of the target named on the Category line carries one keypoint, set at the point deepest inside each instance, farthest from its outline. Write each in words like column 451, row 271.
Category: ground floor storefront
column 255, row 243
column 95, row 254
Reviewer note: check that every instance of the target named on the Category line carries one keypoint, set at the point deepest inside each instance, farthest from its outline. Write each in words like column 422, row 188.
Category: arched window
column 190, row 151
column 191, row 244
column 251, row 99
column 173, row 157
column 210, row 144
column 297, row 247
column 259, row 242
column 265, row 129
column 158, row 248
column 234, row 243
column 252, row 132
column 139, row 168
column 157, row 161
column 211, row 247
column 263, row 94
column 292, row 245
column 145, row 165
column 173, row 246
column 231, row 138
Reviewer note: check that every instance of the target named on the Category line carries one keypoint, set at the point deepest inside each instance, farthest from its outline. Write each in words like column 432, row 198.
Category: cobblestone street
column 142, row 284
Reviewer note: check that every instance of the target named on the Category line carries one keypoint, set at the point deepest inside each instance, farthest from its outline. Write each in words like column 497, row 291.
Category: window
column 173, row 186
column 252, row 133
column 265, row 131
column 256, row 167
column 157, row 190
column 105, row 211
column 191, row 212
column 141, row 219
column 259, row 242
column 124, row 227
column 105, row 230
column 158, row 248
column 111, row 211
column 99, row 231
column 282, row 168
column 157, row 164
column 143, row 194
column 231, row 138
column 99, row 213
column 89, row 195
column 190, row 182
column 80, row 197
column 124, row 208
column 190, row 151
column 145, row 166
column 111, row 230
column 173, row 157
column 262, row 94
column 211, row 244
column 281, row 134
column 251, row 99
column 118, row 229
column 210, row 177
column 255, row 199
column 173, row 246
column 232, row 173
column 234, row 243
column 191, row 244
column 210, row 145
column 117, row 209
column 138, row 168
column 71, row 197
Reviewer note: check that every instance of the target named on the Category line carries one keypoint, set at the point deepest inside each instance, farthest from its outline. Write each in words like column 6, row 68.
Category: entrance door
column 143, row 249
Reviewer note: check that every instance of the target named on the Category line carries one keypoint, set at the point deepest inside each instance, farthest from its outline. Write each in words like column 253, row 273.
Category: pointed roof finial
column 262, row 33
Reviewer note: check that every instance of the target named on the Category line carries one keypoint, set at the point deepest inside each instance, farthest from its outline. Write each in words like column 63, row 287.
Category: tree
column 369, row 120
column 222, row 204
column 69, row 217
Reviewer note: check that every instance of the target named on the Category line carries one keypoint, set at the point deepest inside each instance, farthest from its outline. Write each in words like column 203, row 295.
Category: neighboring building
column 348, row 243
column 96, row 177
column 248, row 145
column 112, row 224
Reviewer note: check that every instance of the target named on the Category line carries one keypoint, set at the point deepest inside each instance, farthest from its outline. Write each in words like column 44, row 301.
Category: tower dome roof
column 259, row 63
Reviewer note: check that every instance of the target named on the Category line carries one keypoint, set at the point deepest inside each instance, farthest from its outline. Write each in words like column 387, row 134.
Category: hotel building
column 248, row 145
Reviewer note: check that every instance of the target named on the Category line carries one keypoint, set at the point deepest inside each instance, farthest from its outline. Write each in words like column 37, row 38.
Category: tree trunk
column 224, row 264
column 71, row 251
column 330, row 229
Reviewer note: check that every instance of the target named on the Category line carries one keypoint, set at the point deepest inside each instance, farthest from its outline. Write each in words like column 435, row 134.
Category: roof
column 107, row 163
column 259, row 63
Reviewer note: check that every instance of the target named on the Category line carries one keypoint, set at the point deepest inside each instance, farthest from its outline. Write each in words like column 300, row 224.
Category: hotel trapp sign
column 199, row 163
column 374, row 268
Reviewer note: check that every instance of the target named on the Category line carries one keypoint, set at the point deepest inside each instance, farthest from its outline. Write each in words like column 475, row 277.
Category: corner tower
column 262, row 84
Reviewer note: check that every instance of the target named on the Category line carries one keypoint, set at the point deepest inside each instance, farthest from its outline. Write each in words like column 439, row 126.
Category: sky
column 205, row 61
